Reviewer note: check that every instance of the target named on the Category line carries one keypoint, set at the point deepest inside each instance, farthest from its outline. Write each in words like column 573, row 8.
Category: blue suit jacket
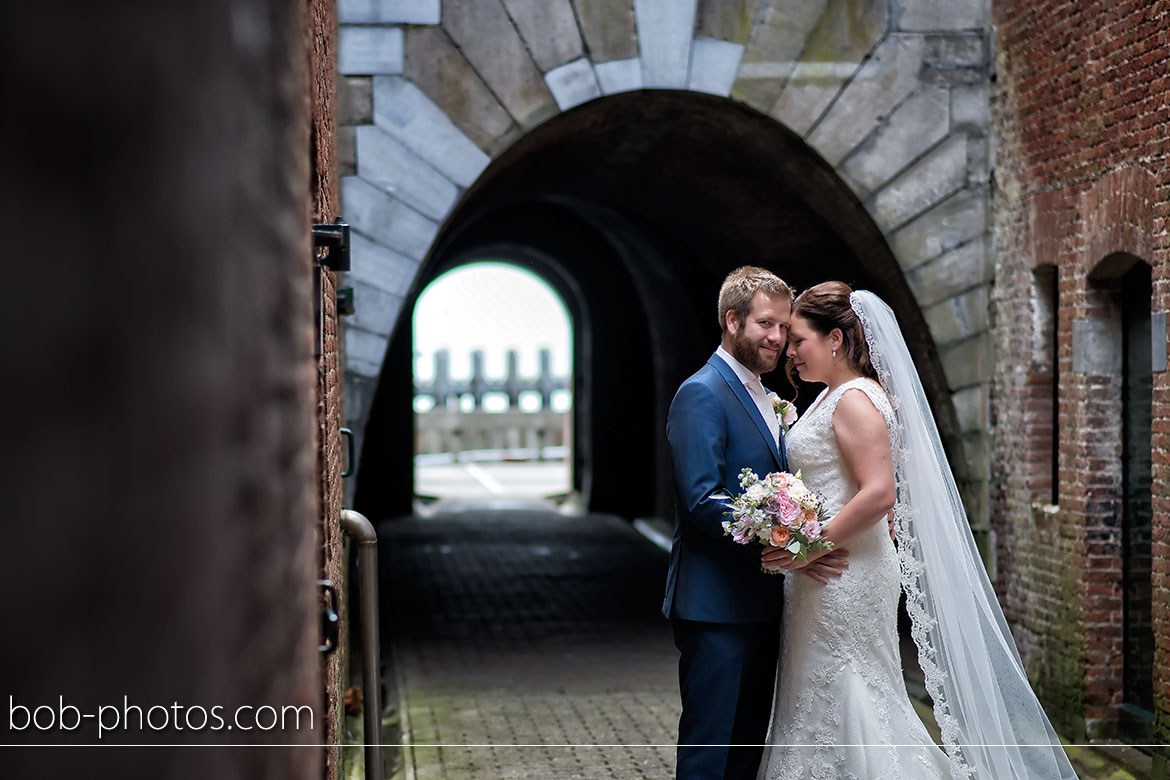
column 715, row 430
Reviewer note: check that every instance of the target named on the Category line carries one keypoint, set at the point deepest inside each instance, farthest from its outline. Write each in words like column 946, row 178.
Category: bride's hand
column 820, row 565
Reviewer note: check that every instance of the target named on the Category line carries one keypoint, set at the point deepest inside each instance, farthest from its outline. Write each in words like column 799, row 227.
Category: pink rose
column 786, row 507
column 789, row 415
column 811, row 530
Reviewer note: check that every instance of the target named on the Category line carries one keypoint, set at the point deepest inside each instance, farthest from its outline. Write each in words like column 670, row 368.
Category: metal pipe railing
column 362, row 530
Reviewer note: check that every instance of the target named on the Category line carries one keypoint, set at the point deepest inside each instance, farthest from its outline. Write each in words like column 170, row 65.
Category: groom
column 725, row 612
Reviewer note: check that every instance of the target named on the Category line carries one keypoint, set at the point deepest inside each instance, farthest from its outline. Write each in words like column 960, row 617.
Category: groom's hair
column 742, row 284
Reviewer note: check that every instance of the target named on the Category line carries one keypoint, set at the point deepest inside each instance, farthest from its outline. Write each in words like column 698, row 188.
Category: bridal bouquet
column 778, row 510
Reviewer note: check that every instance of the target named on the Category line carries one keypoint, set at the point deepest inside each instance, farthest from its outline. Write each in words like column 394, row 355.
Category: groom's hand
column 820, row 566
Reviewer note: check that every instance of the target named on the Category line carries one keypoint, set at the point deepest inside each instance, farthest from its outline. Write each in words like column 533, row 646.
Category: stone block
column 976, row 451
column 955, row 59
column 346, row 151
column 385, row 220
column 714, row 64
column 573, row 84
column 955, row 272
column 971, row 107
column 379, row 266
column 960, row 317
column 1097, row 346
column 403, row 111
column 917, row 125
column 968, row 362
column 956, row 220
column 725, row 20
column 375, row 310
column 937, row 175
column 355, row 100
column 665, row 30
column 929, row 15
column 847, row 33
column 487, row 38
column 388, row 11
column 364, row 352
column 386, row 163
column 971, row 407
column 550, row 30
column 370, row 50
column 440, row 71
column 776, row 41
column 608, row 27
column 619, row 76
column 885, row 80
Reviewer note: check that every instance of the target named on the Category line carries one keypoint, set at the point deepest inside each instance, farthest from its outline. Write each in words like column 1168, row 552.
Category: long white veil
column 993, row 727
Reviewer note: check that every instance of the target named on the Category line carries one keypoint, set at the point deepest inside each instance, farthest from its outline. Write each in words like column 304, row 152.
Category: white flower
column 756, row 493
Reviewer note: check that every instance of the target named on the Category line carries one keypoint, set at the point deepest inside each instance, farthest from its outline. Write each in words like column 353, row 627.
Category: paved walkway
column 528, row 644
column 524, row 627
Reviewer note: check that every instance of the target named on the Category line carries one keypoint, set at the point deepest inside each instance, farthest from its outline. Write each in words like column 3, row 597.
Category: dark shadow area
column 634, row 208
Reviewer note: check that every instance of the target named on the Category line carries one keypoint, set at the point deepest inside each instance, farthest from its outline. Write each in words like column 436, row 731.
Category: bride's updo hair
column 826, row 306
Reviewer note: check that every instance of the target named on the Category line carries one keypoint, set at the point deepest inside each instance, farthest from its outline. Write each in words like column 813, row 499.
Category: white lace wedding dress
column 841, row 708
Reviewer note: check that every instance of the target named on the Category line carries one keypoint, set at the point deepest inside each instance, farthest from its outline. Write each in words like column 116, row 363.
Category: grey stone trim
column 968, row 362
column 386, row 163
column 386, row 220
column 549, row 27
column 388, row 11
column 972, row 407
column 403, row 111
column 955, row 272
column 849, row 29
column 619, row 75
column 490, row 42
column 777, row 38
column 915, row 126
column 948, row 224
column 364, row 352
column 714, row 65
column 375, row 310
column 665, row 29
column 940, row 173
column 379, row 266
column 363, row 51
column 884, row 81
column 573, row 84
column 929, row 15
column 960, row 317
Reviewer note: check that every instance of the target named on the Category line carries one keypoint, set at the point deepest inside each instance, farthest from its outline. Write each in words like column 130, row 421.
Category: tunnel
column 633, row 208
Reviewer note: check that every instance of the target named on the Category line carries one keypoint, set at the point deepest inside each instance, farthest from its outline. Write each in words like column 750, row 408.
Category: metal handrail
column 362, row 530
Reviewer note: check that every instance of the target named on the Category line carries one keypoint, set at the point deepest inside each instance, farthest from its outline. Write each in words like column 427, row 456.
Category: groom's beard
column 748, row 352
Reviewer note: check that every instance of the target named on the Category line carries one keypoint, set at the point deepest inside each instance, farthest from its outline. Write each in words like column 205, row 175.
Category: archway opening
column 492, row 367
column 634, row 207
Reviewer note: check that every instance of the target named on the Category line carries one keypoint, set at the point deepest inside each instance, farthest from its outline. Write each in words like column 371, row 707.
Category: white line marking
column 483, row 478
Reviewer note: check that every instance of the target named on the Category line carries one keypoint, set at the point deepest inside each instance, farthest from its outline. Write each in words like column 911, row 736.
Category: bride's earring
column 834, row 352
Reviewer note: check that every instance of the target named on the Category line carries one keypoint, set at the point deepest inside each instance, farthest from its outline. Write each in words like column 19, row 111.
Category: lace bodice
column 812, row 444
column 841, row 709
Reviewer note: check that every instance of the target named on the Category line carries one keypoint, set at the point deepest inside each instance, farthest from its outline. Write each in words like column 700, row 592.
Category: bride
column 869, row 443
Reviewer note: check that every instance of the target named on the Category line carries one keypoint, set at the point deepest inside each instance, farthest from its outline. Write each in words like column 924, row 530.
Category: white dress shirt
column 755, row 388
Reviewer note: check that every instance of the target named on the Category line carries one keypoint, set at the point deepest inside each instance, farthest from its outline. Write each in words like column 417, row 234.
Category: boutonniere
column 785, row 410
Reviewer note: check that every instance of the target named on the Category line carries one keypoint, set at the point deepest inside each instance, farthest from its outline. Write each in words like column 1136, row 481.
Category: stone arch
column 893, row 98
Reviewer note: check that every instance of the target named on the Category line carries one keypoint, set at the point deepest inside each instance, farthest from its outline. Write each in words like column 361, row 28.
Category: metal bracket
column 330, row 622
column 345, row 302
column 347, row 434
column 334, row 236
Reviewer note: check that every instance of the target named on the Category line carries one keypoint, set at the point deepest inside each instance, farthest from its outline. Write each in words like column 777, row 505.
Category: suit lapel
column 749, row 405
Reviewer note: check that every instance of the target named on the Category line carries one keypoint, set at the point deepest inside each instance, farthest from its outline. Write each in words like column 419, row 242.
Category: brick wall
column 1082, row 126
column 158, row 445
column 321, row 45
